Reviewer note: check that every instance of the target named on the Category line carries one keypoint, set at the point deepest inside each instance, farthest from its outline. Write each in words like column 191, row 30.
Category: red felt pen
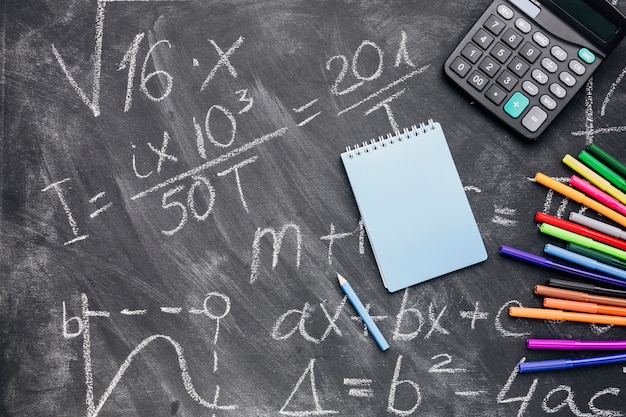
column 581, row 230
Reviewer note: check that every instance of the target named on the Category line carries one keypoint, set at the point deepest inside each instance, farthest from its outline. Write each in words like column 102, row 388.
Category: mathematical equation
column 217, row 307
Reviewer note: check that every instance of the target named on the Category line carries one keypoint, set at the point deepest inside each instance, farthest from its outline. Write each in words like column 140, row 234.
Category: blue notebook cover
column 414, row 208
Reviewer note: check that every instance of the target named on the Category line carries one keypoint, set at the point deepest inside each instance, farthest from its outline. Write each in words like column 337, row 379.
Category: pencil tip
column 340, row 279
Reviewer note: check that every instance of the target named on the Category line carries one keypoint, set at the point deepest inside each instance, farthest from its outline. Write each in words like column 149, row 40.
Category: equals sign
column 362, row 387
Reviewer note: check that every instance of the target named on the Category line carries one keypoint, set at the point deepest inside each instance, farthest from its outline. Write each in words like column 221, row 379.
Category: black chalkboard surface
column 174, row 210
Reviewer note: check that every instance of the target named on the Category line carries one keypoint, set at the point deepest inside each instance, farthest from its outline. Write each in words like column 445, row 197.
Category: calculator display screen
column 591, row 18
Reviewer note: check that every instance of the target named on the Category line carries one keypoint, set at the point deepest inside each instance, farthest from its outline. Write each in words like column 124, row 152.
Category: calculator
column 525, row 60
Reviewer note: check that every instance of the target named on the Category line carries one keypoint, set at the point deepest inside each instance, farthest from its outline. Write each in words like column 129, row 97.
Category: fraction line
column 213, row 162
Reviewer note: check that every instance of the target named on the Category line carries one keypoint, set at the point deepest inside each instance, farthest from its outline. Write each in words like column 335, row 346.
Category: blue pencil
column 362, row 311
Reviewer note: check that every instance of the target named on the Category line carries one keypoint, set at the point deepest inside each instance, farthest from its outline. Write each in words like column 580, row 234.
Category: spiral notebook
column 414, row 208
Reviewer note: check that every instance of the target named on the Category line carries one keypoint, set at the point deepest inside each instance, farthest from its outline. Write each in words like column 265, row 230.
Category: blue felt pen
column 362, row 311
column 548, row 263
column 555, row 364
column 584, row 261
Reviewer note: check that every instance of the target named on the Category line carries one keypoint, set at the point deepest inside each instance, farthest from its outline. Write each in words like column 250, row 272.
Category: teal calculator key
column 516, row 105
column 586, row 55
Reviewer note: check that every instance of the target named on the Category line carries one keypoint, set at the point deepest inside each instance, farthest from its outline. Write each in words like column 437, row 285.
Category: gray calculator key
column 541, row 39
column 494, row 25
column 507, row 80
column 557, row 90
column 489, row 66
column 482, row 38
column 505, row 12
column 534, row 118
column 567, row 79
column 549, row 65
column 523, row 25
column 540, row 76
column 530, row 87
column 548, row 102
column 471, row 52
column 495, row 94
column 530, row 52
column 577, row 67
column 500, row 52
column 559, row 53
column 478, row 80
column 460, row 67
column 512, row 38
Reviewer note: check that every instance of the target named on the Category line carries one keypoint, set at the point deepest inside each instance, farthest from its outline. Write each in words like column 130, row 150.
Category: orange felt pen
column 581, row 307
column 548, row 314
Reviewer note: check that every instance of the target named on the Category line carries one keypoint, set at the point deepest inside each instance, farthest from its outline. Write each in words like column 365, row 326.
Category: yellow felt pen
column 594, row 178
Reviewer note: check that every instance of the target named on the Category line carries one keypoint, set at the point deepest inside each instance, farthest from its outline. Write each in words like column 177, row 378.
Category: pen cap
column 550, row 344
column 544, row 365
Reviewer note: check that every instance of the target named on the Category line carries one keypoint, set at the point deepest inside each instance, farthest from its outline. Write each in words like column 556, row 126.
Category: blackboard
column 174, row 210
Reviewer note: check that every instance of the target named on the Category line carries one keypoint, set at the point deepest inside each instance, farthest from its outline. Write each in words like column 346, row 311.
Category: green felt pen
column 581, row 240
column 598, row 256
column 608, row 159
column 603, row 170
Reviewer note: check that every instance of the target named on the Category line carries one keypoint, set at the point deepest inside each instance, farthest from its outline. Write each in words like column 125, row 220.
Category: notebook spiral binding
column 390, row 139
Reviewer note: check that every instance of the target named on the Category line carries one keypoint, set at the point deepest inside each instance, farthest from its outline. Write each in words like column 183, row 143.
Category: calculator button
column 478, row 80
column 549, row 65
column 507, row 80
column 586, row 55
column 512, row 38
column 530, row 52
column 534, row 119
column 501, row 52
column 489, row 66
column 557, row 90
column 505, row 12
column 483, row 39
column 460, row 67
column 541, row 39
column 559, row 53
column 577, row 67
column 539, row 76
column 494, row 25
column 518, row 66
column 548, row 102
column 516, row 105
column 530, row 87
column 471, row 52
column 495, row 94
column 567, row 79
column 523, row 25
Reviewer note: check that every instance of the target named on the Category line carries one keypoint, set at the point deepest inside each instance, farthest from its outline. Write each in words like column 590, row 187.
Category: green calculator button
column 516, row 105
column 586, row 55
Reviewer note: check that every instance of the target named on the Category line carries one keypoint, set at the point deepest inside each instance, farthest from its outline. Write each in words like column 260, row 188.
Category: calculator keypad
column 517, row 66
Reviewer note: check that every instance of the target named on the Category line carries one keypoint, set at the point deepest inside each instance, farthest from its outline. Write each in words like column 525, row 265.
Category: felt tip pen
column 580, row 296
column 560, row 315
column 608, row 159
column 581, row 307
column 598, row 194
column 548, row 263
column 581, row 230
column 585, row 287
column 584, row 261
column 567, row 344
column 598, row 225
column 581, row 240
column 556, row 364
column 579, row 197
column 594, row 178
column 603, row 170
column 362, row 312
column 597, row 255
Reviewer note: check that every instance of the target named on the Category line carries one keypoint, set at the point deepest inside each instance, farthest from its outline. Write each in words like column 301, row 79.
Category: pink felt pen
column 560, row 344
column 597, row 194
